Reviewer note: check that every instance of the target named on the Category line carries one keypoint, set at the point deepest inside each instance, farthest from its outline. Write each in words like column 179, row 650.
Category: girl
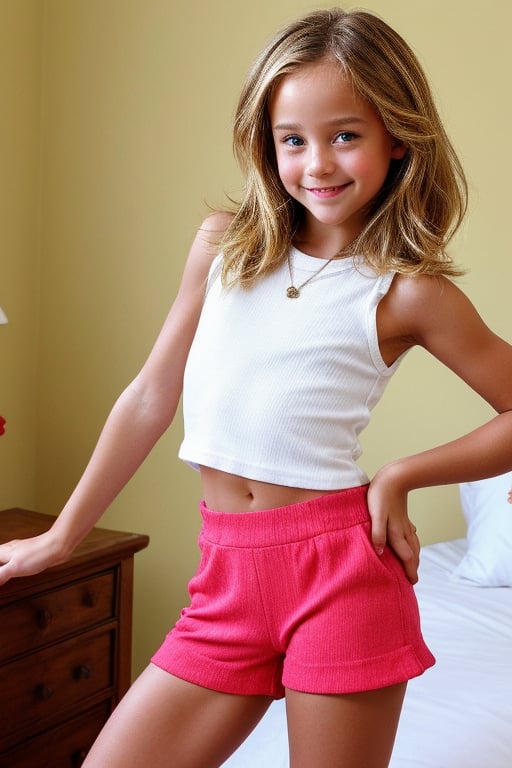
column 332, row 267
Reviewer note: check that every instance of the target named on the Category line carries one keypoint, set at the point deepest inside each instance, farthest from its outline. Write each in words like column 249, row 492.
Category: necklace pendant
column 292, row 292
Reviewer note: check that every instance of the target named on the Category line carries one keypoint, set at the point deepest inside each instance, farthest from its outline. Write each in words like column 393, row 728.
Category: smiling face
column 333, row 152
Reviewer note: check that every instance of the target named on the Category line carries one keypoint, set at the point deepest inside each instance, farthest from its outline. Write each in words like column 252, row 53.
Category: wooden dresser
column 65, row 646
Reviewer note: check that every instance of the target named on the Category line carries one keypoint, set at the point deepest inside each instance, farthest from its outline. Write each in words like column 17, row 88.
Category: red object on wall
column 2, row 425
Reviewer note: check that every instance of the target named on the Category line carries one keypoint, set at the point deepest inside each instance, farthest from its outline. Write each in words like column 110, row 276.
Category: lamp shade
column 3, row 318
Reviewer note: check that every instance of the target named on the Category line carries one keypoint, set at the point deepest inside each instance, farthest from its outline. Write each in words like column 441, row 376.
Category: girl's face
column 333, row 151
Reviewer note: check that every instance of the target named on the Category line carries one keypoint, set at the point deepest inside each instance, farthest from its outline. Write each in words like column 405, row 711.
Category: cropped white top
column 279, row 389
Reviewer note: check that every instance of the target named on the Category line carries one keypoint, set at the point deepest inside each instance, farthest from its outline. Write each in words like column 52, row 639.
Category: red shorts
column 296, row 597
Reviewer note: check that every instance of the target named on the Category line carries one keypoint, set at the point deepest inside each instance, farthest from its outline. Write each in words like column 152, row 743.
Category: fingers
column 379, row 518
column 5, row 562
column 6, row 551
column 406, row 546
column 391, row 525
column 403, row 540
column 5, row 574
column 379, row 534
column 25, row 557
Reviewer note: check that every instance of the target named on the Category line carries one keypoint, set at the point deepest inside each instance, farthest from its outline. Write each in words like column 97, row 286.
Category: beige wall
column 20, row 137
column 137, row 100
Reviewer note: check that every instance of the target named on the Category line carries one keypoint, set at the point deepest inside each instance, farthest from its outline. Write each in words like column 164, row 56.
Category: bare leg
column 163, row 721
column 350, row 731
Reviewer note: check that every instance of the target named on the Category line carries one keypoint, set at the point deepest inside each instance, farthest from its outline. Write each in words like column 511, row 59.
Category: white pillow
column 488, row 561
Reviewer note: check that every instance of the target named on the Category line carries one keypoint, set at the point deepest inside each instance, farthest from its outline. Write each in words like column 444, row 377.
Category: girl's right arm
column 139, row 417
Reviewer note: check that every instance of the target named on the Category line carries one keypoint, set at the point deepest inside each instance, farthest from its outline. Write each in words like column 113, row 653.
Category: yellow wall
column 137, row 101
column 20, row 136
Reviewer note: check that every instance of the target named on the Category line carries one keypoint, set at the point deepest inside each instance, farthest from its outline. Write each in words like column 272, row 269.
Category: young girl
column 292, row 315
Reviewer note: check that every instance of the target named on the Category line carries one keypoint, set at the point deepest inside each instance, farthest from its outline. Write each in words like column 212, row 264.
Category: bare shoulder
column 213, row 228
column 428, row 311
column 410, row 291
column 217, row 222
column 205, row 248
column 436, row 314
column 419, row 305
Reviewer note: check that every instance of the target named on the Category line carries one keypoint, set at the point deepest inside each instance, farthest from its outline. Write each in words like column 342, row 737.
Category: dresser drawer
column 49, row 616
column 65, row 645
column 62, row 747
column 46, row 685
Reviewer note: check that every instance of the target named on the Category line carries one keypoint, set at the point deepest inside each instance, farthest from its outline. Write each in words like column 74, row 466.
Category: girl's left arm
column 434, row 313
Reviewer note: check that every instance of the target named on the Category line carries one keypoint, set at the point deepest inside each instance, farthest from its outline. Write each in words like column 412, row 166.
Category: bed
column 459, row 713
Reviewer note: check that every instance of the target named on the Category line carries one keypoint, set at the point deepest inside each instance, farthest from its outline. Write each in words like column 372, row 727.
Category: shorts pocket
column 389, row 561
column 387, row 579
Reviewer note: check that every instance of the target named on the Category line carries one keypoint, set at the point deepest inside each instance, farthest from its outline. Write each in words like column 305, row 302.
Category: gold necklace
column 293, row 291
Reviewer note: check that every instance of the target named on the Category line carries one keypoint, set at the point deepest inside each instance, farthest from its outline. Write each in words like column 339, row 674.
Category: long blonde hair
column 424, row 198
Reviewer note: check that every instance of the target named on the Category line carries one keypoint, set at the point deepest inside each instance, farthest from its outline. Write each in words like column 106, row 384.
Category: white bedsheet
column 459, row 713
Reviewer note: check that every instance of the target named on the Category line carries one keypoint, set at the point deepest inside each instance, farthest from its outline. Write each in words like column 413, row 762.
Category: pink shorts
column 296, row 597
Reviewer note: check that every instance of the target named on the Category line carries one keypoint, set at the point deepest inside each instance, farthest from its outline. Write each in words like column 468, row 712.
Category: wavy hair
column 424, row 198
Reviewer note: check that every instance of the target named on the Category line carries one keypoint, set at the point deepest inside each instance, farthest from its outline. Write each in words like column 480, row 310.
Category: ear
column 398, row 150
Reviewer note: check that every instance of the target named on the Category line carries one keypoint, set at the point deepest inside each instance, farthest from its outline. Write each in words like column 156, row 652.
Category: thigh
column 354, row 730
column 165, row 721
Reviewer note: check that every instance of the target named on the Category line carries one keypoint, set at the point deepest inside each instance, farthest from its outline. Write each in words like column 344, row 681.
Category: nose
column 320, row 161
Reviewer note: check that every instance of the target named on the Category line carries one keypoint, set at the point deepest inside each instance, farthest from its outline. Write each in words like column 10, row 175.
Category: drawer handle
column 44, row 618
column 43, row 692
column 88, row 600
column 82, row 673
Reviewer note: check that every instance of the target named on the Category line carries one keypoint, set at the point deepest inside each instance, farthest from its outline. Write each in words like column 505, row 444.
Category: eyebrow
column 336, row 121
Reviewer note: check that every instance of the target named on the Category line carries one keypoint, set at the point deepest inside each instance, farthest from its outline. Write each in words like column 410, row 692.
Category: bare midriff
column 224, row 492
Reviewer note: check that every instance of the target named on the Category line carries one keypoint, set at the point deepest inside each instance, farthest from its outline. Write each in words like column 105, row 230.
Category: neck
column 321, row 241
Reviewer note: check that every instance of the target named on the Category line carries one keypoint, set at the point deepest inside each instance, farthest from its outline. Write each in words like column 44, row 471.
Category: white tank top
column 279, row 389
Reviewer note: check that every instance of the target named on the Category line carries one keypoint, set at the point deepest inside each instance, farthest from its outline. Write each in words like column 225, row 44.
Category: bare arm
column 435, row 314
column 139, row 417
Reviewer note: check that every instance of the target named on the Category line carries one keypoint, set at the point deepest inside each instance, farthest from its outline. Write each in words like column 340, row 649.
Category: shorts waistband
column 284, row 525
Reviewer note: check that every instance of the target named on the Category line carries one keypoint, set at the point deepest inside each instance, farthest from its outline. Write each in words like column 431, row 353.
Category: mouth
column 326, row 192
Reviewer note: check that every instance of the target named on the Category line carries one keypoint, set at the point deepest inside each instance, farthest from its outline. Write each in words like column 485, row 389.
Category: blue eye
column 344, row 137
column 294, row 141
